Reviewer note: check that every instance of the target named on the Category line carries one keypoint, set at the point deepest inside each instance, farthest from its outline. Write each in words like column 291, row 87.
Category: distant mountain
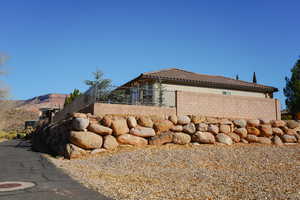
column 43, row 101
column 13, row 113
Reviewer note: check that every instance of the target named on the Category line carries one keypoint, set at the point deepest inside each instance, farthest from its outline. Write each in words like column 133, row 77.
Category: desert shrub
column 8, row 135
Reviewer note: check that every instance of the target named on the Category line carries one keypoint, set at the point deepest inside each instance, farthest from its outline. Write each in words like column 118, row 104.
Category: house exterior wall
column 216, row 105
column 169, row 93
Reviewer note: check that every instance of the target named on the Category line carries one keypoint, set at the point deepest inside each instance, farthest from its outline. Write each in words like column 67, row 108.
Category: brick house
column 146, row 87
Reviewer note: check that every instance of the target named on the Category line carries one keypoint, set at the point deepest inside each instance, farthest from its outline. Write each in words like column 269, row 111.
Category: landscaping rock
column 163, row 126
column 99, row 129
column 131, row 121
column 119, row 127
column 265, row 121
column 298, row 137
column 277, row 140
column 173, row 118
column 224, row 139
column 145, row 121
column 86, row 139
column 244, row 141
column 293, row 124
column 198, row 119
column 240, row 123
column 110, row 142
column 289, row 138
column 253, row 131
column 225, row 128
column 177, row 128
column 181, row 138
column 73, row 151
column 213, row 129
column 106, row 121
column 132, row 140
column 234, row 137
column 264, row 140
column 251, row 138
column 80, row 124
column 161, row 139
column 183, row 120
column 290, row 131
column 277, row 131
column 202, row 127
column 79, row 115
column 189, row 128
column 204, row 137
column 142, row 131
column 242, row 132
column 278, row 123
column 266, row 130
column 96, row 151
column 253, row 123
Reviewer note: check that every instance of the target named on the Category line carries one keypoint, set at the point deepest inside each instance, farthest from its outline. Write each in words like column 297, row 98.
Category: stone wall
column 84, row 134
column 215, row 105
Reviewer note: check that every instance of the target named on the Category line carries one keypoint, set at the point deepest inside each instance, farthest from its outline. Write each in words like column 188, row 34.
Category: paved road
column 19, row 163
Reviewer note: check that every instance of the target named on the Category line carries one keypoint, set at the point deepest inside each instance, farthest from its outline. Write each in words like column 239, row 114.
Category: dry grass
column 192, row 172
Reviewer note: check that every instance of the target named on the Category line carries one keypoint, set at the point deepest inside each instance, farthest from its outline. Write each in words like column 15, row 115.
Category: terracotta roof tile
column 182, row 76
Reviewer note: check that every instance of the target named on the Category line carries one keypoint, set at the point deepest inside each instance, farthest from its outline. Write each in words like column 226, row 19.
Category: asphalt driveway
column 19, row 163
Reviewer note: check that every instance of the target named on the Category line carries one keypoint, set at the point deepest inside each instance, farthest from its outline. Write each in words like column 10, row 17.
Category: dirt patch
column 192, row 172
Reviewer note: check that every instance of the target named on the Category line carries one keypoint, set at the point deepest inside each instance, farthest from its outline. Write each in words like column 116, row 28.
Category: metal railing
column 134, row 96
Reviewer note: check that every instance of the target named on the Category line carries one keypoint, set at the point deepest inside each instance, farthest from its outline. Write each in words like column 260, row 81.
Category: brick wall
column 101, row 108
column 214, row 105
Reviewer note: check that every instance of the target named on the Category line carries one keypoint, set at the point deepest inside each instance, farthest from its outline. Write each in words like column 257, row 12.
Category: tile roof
column 190, row 78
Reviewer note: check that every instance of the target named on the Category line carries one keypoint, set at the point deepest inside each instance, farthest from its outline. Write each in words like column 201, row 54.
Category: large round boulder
column 161, row 139
column 277, row 131
column 119, row 127
column 253, row 122
column 80, row 124
column 240, row 123
column 131, row 121
column 289, row 138
column 132, row 140
column 163, row 126
column 278, row 123
column 181, row 138
column 145, row 121
column 277, row 140
column 252, row 138
column 189, row 128
column 204, row 137
column 110, row 142
column 86, row 139
column 177, row 128
column 266, row 130
column 142, row 131
column 235, row 137
column 264, row 140
column 99, row 129
column 242, row 132
column 225, row 128
column 173, row 118
column 183, row 120
column 202, row 127
column 73, row 151
column 224, row 139
column 213, row 129
column 253, row 131
column 292, row 124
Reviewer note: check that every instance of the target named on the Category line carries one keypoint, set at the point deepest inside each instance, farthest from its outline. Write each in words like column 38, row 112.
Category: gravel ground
column 192, row 172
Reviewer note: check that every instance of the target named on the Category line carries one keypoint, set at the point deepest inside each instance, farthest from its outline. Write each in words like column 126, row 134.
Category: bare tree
column 3, row 90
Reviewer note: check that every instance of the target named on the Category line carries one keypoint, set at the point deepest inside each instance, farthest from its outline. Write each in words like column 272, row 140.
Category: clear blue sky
column 55, row 45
